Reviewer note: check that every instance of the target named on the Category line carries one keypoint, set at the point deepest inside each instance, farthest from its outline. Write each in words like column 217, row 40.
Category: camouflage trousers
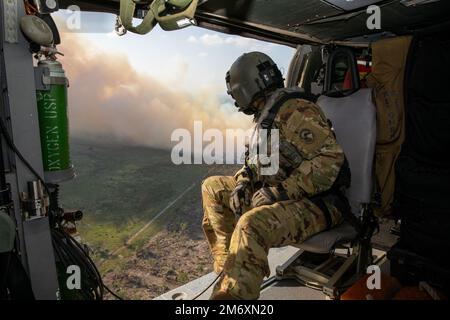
column 240, row 249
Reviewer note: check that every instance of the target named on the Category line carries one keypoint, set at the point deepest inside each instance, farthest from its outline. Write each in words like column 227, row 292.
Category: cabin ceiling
column 294, row 22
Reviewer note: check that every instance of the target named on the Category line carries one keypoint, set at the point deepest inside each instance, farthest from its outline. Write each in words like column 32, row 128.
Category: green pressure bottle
column 54, row 123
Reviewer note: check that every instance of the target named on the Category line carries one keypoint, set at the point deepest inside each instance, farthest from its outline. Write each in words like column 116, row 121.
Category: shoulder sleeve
column 304, row 126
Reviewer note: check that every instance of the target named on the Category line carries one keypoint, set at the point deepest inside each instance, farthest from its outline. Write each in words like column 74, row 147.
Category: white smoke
column 109, row 100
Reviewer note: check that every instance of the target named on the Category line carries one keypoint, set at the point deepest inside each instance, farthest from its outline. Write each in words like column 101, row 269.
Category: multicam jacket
column 309, row 156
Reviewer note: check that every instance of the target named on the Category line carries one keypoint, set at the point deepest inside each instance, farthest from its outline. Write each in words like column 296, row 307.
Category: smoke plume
column 110, row 101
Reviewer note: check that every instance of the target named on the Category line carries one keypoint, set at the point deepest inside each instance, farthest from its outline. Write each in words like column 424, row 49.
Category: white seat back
column 354, row 121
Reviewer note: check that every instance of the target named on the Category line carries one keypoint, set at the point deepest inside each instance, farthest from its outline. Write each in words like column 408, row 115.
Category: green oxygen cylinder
column 54, row 122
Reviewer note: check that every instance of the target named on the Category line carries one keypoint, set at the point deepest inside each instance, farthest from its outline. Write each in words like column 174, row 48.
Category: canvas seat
column 354, row 122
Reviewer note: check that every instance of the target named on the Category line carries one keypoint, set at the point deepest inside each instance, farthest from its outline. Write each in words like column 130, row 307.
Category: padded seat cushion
column 325, row 241
column 354, row 121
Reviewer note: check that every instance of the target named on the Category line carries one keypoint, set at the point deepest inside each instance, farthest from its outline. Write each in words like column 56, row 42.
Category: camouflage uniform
column 240, row 249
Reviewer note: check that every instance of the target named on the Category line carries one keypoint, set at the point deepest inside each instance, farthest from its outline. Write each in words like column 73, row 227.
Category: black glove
column 240, row 197
column 268, row 195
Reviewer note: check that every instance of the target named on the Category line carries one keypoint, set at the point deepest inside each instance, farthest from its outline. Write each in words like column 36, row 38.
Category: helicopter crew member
column 247, row 214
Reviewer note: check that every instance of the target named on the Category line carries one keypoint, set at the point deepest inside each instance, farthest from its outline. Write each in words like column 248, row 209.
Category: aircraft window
column 308, row 72
column 142, row 208
column 301, row 82
column 341, row 76
column 318, row 81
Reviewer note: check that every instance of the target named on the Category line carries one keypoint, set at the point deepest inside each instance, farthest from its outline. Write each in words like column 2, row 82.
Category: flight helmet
column 250, row 77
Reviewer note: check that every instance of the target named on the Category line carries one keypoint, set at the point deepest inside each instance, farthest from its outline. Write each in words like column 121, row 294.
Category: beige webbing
column 127, row 9
column 168, row 21
column 177, row 20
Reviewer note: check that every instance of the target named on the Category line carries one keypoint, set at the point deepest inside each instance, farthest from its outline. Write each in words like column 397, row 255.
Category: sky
column 139, row 88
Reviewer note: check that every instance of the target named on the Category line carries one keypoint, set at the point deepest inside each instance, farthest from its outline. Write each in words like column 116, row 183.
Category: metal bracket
column 40, row 73
column 43, row 79
column 35, row 203
column 48, row 80
column 317, row 278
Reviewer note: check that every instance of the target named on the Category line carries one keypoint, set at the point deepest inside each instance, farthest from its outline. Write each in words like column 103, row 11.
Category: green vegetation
column 119, row 189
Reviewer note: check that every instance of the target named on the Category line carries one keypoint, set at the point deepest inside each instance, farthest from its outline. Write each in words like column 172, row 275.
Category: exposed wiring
column 209, row 286
column 13, row 147
column 70, row 252
column 112, row 292
column 4, row 281
column 67, row 249
column 30, row 9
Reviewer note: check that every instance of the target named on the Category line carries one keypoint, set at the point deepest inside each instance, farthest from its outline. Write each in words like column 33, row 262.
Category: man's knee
column 209, row 183
column 211, row 187
column 214, row 184
column 217, row 188
column 264, row 223
column 254, row 223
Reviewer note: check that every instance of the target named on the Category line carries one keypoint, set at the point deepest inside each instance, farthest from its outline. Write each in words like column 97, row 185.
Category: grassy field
column 120, row 189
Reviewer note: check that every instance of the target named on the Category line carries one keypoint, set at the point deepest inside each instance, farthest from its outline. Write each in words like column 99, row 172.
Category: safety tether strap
column 127, row 8
column 175, row 21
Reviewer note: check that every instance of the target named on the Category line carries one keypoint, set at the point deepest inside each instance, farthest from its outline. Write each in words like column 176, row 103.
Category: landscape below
column 142, row 216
